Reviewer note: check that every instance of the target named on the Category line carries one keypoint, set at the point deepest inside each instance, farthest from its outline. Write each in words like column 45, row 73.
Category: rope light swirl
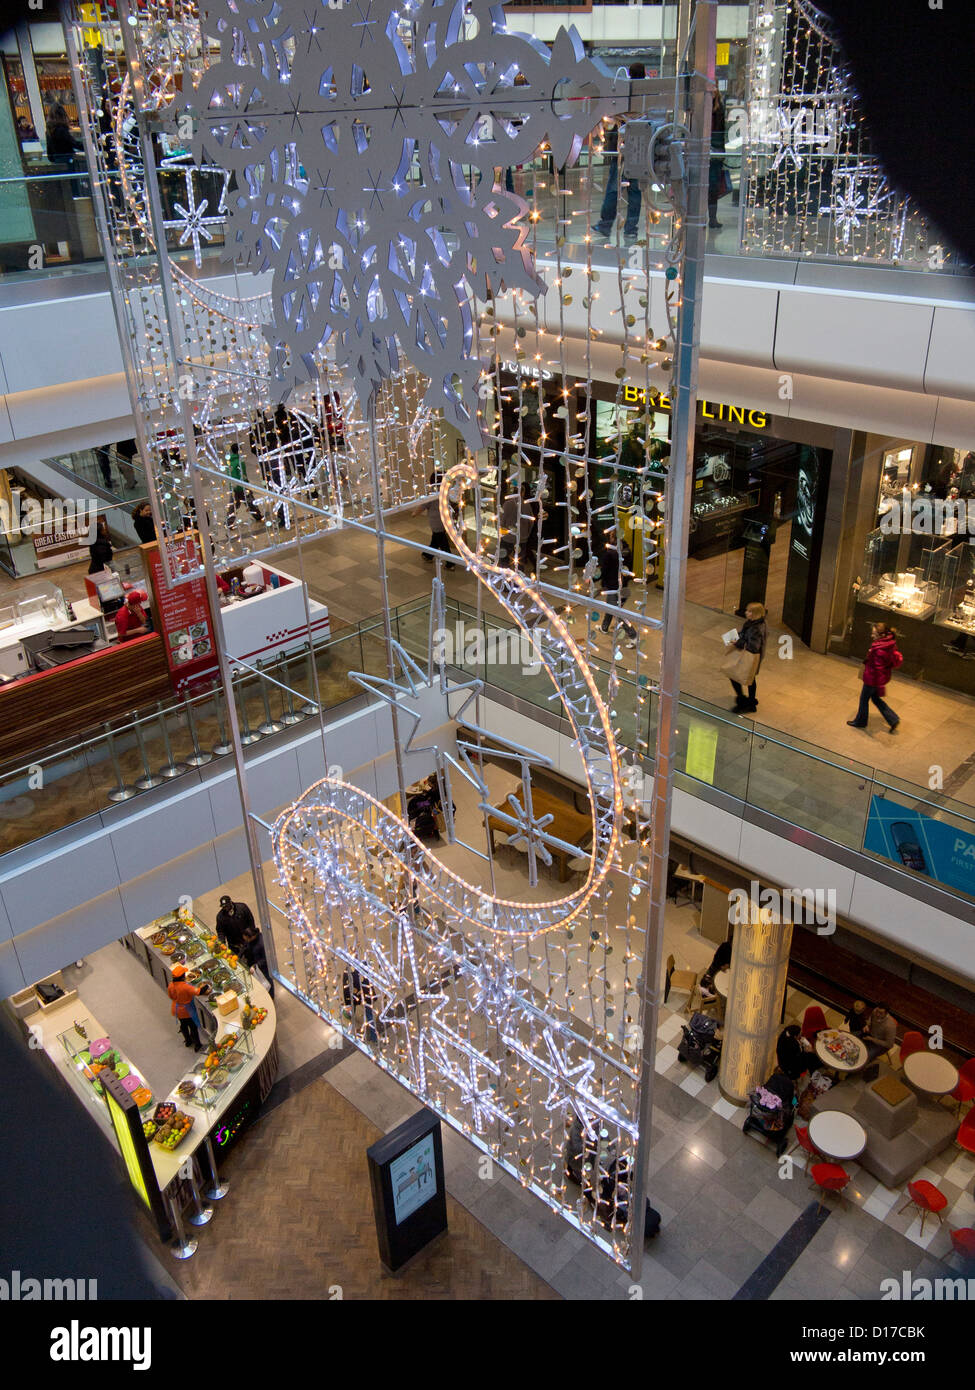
column 299, row 841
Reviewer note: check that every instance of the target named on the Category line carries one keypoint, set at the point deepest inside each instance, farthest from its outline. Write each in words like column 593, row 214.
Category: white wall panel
column 60, row 339
column 81, row 408
column 147, row 897
column 738, row 322
column 230, row 852
column 858, row 337
column 921, row 932
column 148, row 839
column 950, row 369
column 795, row 865
column 53, row 883
column 12, row 977
column 706, row 825
column 58, row 942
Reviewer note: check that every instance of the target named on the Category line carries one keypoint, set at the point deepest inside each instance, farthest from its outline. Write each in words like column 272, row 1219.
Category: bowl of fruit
column 149, row 1128
column 164, row 1112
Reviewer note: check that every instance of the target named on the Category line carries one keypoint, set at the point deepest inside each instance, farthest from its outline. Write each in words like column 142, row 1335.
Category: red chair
column 813, row 1022
column 966, row 1132
column 828, row 1177
column 964, row 1243
column 804, row 1142
column 925, row 1197
column 913, row 1042
column 965, row 1090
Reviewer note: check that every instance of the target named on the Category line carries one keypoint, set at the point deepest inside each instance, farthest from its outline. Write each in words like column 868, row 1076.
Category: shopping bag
column 740, row 666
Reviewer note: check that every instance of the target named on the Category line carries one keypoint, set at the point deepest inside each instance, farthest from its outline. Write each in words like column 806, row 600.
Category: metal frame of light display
column 403, row 275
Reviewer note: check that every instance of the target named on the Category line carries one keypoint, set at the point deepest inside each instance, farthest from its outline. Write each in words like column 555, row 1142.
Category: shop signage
column 127, row 1124
column 928, row 846
column 408, row 1193
column 527, row 369
column 708, row 410
column 183, row 616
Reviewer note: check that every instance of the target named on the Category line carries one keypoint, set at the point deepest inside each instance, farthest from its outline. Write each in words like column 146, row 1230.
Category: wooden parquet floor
column 298, row 1222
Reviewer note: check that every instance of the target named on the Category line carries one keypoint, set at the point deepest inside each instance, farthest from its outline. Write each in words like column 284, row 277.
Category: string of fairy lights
column 516, row 1017
column 811, row 184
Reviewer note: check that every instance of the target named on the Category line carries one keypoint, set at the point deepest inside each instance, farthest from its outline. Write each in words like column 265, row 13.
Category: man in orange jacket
column 182, row 993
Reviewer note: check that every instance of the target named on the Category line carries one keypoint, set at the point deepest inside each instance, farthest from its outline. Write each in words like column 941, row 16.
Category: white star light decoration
column 364, row 141
column 193, row 223
column 855, row 203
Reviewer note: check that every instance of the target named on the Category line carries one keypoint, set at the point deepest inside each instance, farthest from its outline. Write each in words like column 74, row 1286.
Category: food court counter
column 255, row 1075
column 46, row 707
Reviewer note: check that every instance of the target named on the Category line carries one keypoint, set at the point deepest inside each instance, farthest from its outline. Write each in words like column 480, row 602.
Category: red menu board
column 183, row 619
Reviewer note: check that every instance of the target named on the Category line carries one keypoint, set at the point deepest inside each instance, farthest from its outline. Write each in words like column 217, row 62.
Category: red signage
column 183, row 619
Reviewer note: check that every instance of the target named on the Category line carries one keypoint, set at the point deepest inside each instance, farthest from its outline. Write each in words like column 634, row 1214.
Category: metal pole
column 198, row 757
column 183, row 1246
column 201, row 1214
column 387, row 625
column 189, row 437
column 217, row 1188
column 144, row 783
column 679, row 487
column 270, row 725
column 121, row 792
column 171, row 769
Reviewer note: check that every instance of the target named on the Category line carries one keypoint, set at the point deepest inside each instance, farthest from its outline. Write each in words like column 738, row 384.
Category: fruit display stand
column 215, row 1110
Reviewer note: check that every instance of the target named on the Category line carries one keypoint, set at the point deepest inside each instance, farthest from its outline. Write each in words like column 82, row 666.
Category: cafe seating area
column 909, row 1121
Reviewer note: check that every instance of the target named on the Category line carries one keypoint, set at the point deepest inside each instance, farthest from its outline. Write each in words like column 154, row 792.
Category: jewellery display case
column 956, row 599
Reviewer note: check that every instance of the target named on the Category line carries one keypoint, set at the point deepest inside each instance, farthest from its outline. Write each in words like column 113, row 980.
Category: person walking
column 183, row 1008
column 634, row 196
column 752, row 638
column 615, row 560
column 252, row 943
column 103, row 459
column 439, row 540
column 881, row 660
column 716, row 166
column 125, row 452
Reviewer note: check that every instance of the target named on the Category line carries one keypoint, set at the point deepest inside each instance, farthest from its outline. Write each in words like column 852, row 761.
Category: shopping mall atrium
column 487, row 640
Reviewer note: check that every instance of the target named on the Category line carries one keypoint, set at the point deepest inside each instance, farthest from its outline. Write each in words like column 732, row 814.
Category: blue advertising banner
column 921, row 843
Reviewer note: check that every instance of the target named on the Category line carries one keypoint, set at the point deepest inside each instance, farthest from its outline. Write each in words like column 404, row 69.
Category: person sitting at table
column 856, row 1018
column 790, row 1053
column 880, row 1032
column 720, row 960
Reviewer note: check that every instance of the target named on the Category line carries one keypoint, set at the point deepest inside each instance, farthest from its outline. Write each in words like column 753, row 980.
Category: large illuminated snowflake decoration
column 364, row 142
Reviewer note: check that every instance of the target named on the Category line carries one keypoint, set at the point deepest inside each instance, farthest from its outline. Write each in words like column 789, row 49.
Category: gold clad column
column 756, row 989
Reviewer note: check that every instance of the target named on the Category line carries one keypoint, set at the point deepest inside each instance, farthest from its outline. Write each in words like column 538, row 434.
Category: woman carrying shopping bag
column 880, row 661
column 745, row 657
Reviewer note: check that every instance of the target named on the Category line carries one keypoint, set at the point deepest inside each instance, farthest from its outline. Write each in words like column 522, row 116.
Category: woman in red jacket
column 882, row 658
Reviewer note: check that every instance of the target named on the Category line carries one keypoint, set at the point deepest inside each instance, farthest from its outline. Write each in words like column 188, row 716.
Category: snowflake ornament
column 193, row 221
column 364, row 142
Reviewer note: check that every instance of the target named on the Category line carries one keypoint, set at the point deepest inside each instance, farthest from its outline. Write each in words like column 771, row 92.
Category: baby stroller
column 700, row 1046
column 771, row 1110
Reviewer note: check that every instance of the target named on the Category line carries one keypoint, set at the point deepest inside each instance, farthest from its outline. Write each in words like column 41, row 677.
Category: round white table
column 836, row 1135
column 931, row 1072
column 721, row 983
column 837, row 1063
